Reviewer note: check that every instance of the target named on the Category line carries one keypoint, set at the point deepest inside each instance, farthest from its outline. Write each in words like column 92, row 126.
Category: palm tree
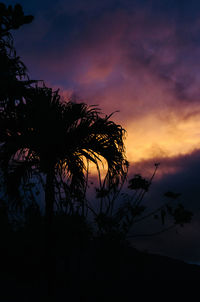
column 55, row 138
column 39, row 133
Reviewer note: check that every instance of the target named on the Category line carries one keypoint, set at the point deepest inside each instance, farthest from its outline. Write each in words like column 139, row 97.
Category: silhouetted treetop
column 46, row 132
column 13, row 73
column 12, row 18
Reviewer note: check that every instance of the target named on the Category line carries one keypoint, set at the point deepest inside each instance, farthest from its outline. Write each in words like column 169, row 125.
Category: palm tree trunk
column 49, row 240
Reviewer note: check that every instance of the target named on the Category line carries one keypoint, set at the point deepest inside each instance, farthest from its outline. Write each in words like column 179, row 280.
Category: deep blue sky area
column 142, row 58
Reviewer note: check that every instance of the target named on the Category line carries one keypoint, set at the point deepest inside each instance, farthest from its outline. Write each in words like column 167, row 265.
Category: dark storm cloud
column 156, row 38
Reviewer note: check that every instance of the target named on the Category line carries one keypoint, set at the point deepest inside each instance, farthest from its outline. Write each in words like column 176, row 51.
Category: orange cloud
column 151, row 137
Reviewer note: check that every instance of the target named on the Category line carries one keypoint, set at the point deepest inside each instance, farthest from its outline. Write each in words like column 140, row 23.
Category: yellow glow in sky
column 153, row 137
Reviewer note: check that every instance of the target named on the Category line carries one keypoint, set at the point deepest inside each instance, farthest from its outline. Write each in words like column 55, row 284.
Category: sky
column 141, row 58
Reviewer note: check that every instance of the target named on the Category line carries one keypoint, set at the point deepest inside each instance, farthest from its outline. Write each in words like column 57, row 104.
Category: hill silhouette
column 100, row 268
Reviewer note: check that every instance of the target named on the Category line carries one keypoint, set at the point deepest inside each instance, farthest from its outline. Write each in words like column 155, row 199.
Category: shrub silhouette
column 117, row 221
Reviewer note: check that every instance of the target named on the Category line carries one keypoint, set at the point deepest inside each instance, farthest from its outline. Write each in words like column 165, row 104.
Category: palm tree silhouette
column 52, row 137
column 41, row 134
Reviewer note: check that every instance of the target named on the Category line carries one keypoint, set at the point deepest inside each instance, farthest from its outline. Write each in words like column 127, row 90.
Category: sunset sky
column 141, row 58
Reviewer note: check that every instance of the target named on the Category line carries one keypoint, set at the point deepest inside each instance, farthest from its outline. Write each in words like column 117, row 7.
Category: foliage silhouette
column 44, row 137
column 117, row 222
column 14, row 79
